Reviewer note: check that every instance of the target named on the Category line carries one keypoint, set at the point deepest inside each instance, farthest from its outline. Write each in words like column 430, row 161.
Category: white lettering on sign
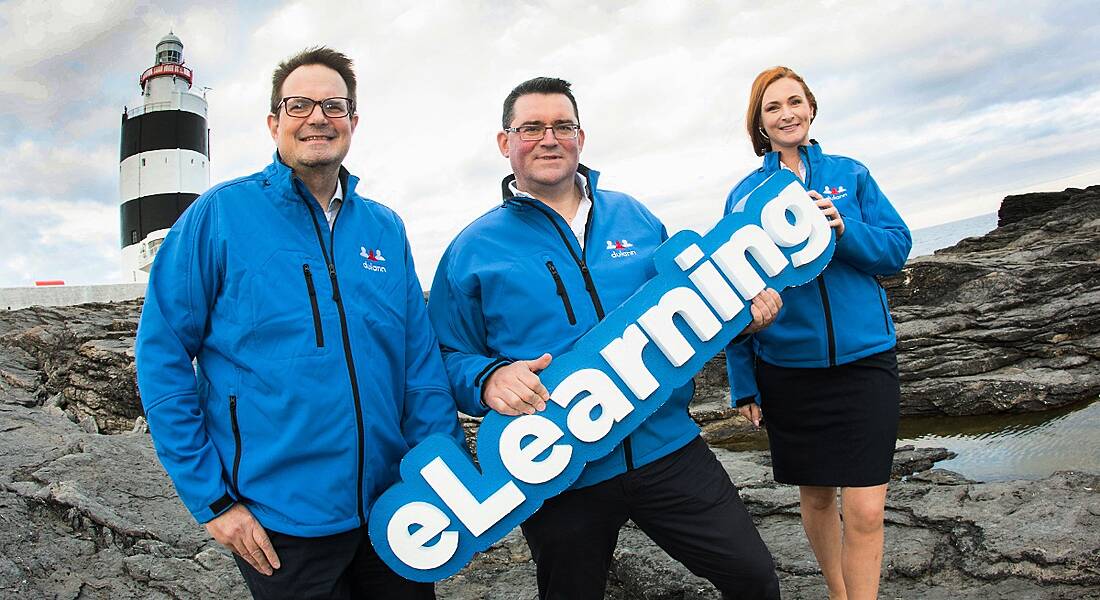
column 428, row 526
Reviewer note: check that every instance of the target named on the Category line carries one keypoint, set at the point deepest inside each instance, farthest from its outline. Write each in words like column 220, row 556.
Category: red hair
column 760, row 142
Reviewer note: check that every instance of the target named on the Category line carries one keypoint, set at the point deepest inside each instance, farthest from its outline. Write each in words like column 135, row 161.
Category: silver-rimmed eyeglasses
column 536, row 131
column 301, row 107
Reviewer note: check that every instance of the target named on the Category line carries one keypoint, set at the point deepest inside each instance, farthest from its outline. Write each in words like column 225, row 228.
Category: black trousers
column 334, row 567
column 685, row 502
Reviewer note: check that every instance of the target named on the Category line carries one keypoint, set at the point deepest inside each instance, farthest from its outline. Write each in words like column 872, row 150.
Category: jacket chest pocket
column 559, row 289
column 289, row 304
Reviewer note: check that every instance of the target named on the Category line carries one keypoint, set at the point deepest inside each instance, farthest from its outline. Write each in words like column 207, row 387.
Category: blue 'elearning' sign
column 429, row 525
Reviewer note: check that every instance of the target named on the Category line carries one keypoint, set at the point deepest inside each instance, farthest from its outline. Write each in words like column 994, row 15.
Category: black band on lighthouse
column 164, row 130
column 141, row 216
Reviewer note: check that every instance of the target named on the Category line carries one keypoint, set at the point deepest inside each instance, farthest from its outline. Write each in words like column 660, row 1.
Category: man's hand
column 239, row 531
column 765, row 308
column 515, row 389
column 831, row 213
column 751, row 411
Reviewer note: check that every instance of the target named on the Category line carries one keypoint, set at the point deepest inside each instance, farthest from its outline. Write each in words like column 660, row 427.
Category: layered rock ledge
column 1009, row 321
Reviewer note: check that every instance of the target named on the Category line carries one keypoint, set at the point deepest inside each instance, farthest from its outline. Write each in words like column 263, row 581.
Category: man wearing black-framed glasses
column 521, row 285
column 316, row 366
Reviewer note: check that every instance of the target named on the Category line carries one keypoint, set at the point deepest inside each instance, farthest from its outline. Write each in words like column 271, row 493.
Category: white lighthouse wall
column 171, row 100
column 164, row 87
column 131, row 257
column 163, row 172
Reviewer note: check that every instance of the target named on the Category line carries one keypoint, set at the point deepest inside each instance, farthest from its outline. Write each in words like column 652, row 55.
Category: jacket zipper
column 236, row 443
column 828, row 319
column 589, row 284
column 885, row 313
column 313, row 303
column 830, row 335
column 331, row 266
column 561, row 292
column 590, row 287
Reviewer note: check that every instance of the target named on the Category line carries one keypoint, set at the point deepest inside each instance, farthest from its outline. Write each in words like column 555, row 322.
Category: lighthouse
column 164, row 158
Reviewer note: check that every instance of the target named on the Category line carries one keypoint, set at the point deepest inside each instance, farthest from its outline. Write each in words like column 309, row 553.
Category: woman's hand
column 751, row 411
column 831, row 213
column 764, row 309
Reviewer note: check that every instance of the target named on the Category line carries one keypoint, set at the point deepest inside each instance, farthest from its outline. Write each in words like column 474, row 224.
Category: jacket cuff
column 747, row 400
column 740, row 338
column 222, row 504
column 215, row 508
column 489, row 370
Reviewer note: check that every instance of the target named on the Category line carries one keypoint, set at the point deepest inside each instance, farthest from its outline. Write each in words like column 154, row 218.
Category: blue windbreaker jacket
column 842, row 315
column 515, row 284
column 317, row 369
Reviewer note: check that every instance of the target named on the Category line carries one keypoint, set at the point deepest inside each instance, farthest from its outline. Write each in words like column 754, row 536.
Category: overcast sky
column 951, row 105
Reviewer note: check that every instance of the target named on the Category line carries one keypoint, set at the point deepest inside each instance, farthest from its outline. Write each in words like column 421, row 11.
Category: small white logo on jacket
column 620, row 248
column 373, row 256
column 834, row 193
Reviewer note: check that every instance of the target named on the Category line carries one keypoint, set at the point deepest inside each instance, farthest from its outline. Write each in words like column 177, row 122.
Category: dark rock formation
column 909, row 460
column 1006, row 322
column 79, row 359
column 1017, row 208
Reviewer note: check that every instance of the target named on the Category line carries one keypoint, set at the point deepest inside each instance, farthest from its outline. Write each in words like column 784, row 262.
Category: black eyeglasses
column 301, row 107
column 535, row 132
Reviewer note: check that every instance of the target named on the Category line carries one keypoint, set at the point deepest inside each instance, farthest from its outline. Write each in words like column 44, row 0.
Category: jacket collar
column 811, row 154
column 279, row 176
column 591, row 176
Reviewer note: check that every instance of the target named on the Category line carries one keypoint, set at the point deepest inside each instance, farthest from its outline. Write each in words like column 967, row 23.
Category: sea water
column 999, row 447
column 930, row 239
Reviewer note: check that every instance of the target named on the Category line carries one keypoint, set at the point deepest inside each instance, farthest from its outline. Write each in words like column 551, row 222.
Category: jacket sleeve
column 429, row 406
column 458, row 321
column 875, row 241
column 740, row 353
column 183, row 286
column 741, row 371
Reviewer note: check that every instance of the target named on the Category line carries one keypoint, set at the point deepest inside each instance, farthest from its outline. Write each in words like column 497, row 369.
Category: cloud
column 948, row 104
column 75, row 241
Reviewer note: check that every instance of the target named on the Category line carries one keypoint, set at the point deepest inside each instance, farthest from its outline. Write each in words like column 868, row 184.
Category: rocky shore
column 85, row 515
column 1006, row 322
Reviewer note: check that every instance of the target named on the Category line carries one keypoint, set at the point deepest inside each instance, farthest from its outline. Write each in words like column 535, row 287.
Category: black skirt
column 833, row 426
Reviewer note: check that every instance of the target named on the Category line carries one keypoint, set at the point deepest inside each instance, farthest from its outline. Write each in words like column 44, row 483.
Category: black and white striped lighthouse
column 165, row 157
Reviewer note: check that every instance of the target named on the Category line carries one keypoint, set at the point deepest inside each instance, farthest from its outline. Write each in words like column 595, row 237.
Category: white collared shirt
column 801, row 169
column 580, row 220
column 333, row 209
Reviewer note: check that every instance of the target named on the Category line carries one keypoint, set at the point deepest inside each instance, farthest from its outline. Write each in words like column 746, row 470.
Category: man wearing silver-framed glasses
column 519, row 286
column 317, row 369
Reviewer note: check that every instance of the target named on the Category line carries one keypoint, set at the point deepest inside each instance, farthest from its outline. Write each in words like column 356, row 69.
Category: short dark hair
column 316, row 55
column 538, row 85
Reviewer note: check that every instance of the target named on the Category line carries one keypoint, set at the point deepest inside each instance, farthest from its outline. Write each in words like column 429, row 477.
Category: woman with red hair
column 825, row 373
